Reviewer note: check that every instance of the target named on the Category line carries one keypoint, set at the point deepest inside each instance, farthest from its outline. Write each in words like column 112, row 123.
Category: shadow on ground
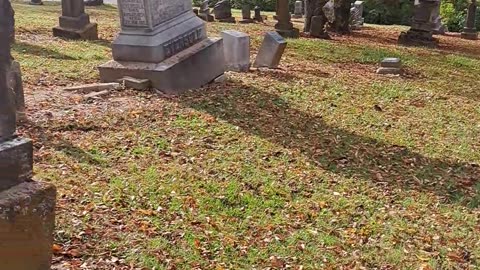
column 334, row 149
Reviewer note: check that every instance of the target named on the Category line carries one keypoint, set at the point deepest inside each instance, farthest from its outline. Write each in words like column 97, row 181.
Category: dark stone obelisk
column 469, row 31
column 27, row 208
column 284, row 25
column 74, row 22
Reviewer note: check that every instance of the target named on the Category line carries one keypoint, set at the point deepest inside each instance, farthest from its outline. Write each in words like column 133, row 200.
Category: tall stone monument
column 166, row 43
column 421, row 31
column 27, row 208
column 469, row 31
column 284, row 25
column 74, row 22
column 356, row 15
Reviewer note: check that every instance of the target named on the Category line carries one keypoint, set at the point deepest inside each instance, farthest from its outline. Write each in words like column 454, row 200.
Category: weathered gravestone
column 315, row 19
column 246, row 14
column 27, row 208
column 298, row 11
column 236, row 46
column 93, row 2
column 74, row 22
column 421, row 31
column 204, row 13
column 165, row 42
column 258, row 14
column 16, row 85
column 271, row 51
column 438, row 28
column 284, row 25
column 392, row 66
column 35, row 2
column 223, row 11
column 356, row 15
column 469, row 31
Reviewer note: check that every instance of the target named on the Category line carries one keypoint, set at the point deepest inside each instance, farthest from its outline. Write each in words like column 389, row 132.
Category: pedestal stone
column 298, row 11
column 27, row 208
column 27, row 221
column 271, row 51
column 469, row 31
column 236, row 46
column 165, row 42
column 284, row 25
column 74, row 22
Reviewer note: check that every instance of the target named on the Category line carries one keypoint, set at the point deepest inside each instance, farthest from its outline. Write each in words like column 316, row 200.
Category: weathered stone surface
column 271, row 51
column 469, row 31
column 421, row 31
column 153, row 31
column 298, row 11
column 16, row 162
column 389, row 70
column 236, row 46
column 134, row 83
column 223, row 11
column 438, row 27
column 164, row 42
column 257, row 14
column 74, row 23
column 191, row 68
column 284, row 25
column 27, row 220
column 16, row 85
column 356, row 15
column 7, row 103
column 391, row 62
column 317, row 27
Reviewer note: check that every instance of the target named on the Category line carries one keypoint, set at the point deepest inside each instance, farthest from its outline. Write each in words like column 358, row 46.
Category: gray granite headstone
column 421, row 30
column 284, row 25
column 7, row 103
column 392, row 66
column 165, row 42
column 271, row 51
column 236, row 46
column 223, row 11
column 298, row 10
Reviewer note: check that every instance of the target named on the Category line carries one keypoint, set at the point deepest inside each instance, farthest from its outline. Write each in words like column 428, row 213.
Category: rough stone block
column 236, row 46
column 16, row 162
column 271, row 51
column 191, row 68
column 391, row 62
column 89, row 32
column 389, row 70
column 27, row 220
column 468, row 33
column 137, row 84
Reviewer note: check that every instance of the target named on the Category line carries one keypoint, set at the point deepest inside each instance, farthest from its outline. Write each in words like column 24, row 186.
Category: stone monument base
column 469, row 33
column 417, row 38
column 16, row 159
column 297, row 16
column 89, row 32
column 193, row 67
column 27, row 220
column 292, row 33
column 247, row 21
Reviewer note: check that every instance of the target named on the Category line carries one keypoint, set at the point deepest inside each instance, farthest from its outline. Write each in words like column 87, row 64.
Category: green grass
column 321, row 164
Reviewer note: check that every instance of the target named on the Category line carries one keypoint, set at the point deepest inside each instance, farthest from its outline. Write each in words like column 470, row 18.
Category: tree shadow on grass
column 334, row 149
column 31, row 49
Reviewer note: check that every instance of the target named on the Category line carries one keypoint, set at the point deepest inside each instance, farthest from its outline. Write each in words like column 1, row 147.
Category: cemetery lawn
column 320, row 164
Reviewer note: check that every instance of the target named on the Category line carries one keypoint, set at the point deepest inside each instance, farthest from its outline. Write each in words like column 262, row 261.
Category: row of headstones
column 223, row 13
column 236, row 47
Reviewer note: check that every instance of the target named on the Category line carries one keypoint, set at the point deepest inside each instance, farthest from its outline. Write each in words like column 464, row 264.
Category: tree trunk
column 341, row 24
